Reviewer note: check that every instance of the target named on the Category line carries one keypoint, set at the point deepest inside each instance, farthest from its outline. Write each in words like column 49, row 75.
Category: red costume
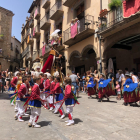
column 68, row 93
column 35, row 93
column 52, row 86
column 57, row 88
column 41, row 86
column 47, row 84
column 22, row 91
column 14, row 82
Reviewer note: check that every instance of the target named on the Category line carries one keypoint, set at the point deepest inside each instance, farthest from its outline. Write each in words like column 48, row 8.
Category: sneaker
column 12, row 104
column 36, row 126
column 63, row 116
column 55, row 112
column 20, row 120
column 70, row 123
column 67, row 121
column 51, row 109
column 29, row 124
column 26, row 114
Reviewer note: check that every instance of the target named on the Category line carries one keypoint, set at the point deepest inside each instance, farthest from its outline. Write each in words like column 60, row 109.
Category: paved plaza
column 93, row 121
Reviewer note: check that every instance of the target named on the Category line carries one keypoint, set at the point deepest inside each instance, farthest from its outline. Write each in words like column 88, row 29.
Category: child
column 21, row 99
column 41, row 86
column 118, row 90
column 35, row 104
column 69, row 101
column 59, row 96
column 47, row 89
column 52, row 96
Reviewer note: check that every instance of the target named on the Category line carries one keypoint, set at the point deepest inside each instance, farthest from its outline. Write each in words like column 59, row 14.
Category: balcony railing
column 68, row 3
column 45, row 23
column 37, row 13
column 56, row 11
column 22, row 39
column 85, row 28
column 25, row 51
column 31, row 23
column 47, row 50
column 45, row 4
column 30, row 39
column 35, row 55
column 112, row 18
column 36, row 31
column 28, row 55
column 27, row 33
column 1, row 37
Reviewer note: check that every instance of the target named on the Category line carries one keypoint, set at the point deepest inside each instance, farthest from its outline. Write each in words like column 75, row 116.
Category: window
column 11, row 46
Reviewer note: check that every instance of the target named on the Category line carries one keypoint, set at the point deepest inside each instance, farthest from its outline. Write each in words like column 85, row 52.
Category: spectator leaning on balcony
column 78, row 24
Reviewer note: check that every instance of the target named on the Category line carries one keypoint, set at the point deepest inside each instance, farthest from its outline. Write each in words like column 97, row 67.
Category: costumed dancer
column 22, row 92
column 12, row 89
column 59, row 97
column 69, row 101
column 47, row 90
column 91, row 86
column 35, row 104
column 131, row 92
column 103, row 89
column 52, row 96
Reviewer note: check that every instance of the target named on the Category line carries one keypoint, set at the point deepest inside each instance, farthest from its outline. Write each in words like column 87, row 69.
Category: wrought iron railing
column 112, row 18
column 36, row 29
column 27, row 33
column 28, row 55
column 44, row 20
column 25, row 51
column 87, row 22
column 31, row 22
column 55, row 7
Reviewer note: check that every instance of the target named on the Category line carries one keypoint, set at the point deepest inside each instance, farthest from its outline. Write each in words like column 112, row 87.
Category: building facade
column 92, row 41
column 6, row 42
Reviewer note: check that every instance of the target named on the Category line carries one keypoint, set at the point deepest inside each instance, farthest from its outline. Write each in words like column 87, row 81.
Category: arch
column 90, row 46
column 74, row 52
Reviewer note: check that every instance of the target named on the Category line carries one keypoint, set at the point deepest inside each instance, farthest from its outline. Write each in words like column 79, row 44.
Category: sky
column 20, row 9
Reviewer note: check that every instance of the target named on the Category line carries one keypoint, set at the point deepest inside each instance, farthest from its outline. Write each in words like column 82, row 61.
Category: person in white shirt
column 134, row 78
column 56, row 73
column 48, row 74
column 37, row 73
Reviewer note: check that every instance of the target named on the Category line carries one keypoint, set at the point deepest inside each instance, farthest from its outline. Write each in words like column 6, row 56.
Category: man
column 37, row 73
column 117, row 74
column 110, row 75
column 26, row 70
column 56, row 73
column 74, row 80
column 48, row 74
column 134, row 78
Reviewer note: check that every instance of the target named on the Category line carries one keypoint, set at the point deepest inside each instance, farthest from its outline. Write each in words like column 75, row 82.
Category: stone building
column 8, row 51
column 96, row 38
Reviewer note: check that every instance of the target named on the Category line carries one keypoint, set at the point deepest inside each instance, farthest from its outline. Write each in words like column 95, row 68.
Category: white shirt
column 37, row 74
column 117, row 76
column 135, row 79
column 121, row 77
column 48, row 75
column 56, row 74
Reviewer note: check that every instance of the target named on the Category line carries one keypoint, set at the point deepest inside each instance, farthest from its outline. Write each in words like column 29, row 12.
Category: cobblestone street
column 93, row 120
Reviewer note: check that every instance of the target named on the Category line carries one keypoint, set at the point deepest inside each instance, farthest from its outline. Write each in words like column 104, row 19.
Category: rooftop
column 9, row 13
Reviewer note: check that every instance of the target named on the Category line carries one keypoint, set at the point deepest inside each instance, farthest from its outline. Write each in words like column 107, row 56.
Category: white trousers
column 57, row 106
column 21, row 109
column 35, row 113
column 69, row 110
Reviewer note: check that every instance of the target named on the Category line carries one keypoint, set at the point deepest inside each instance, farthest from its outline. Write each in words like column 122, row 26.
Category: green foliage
column 115, row 4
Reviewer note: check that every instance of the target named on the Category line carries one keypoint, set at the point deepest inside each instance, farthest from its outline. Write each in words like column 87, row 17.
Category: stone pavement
column 93, row 121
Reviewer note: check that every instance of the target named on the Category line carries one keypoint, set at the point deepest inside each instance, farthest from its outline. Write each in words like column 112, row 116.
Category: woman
column 7, row 79
column 96, row 74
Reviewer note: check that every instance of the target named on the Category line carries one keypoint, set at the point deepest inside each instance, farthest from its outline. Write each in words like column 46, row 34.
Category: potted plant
column 115, row 4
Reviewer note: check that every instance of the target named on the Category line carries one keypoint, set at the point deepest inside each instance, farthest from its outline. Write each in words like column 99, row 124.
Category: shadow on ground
column 44, row 123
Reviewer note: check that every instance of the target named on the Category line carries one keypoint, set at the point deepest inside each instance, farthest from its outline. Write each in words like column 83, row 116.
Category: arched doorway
column 84, row 61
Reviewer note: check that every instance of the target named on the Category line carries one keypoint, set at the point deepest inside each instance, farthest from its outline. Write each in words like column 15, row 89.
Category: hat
column 55, row 43
column 17, row 72
column 38, row 67
column 72, row 20
column 41, row 72
column 127, row 74
column 102, row 74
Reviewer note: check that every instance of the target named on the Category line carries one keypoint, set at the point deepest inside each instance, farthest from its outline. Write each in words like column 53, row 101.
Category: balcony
column 35, row 55
column 47, row 50
column 37, row 13
column 30, row 39
column 45, row 23
column 68, row 3
column 85, row 29
column 1, row 37
column 27, row 33
column 31, row 23
column 45, row 4
column 22, row 39
column 56, row 12
column 25, row 51
column 29, row 56
column 36, row 32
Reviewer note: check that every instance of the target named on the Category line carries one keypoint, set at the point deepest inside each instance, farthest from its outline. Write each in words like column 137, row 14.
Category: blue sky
column 20, row 9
